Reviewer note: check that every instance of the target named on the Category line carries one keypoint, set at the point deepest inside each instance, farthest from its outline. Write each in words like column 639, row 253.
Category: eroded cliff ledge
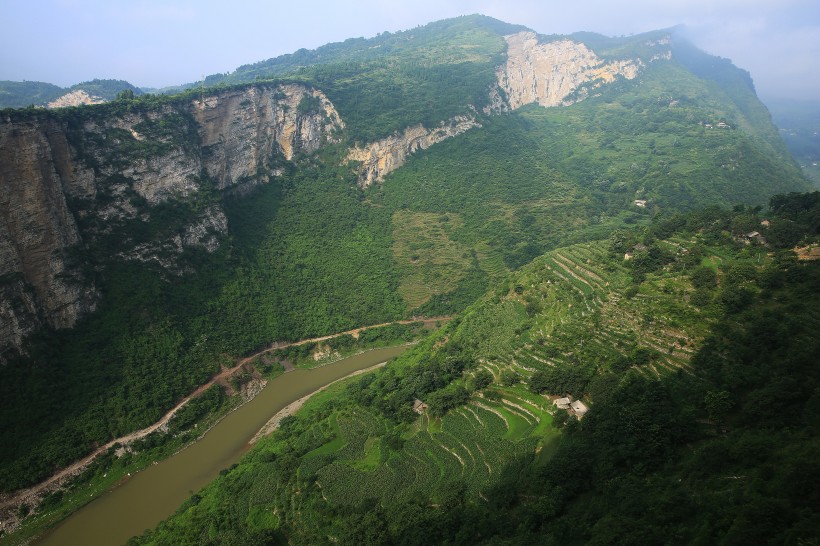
column 549, row 73
column 70, row 183
column 384, row 156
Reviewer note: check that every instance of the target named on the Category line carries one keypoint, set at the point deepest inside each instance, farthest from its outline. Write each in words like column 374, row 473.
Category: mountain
column 799, row 124
column 24, row 94
column 147, row 240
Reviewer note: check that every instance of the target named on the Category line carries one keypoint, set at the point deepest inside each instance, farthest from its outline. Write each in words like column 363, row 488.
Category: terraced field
column 472, row 443
column 576, row 307
column 581, row 314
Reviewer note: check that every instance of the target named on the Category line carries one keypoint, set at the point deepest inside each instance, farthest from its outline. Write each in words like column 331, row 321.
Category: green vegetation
column 384, row 84
column 310, row 254
column 682, row 414
column 110, row 468
column 24, row 94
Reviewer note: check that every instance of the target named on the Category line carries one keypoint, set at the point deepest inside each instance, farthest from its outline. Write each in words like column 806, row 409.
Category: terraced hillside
column 629, row 325
column 583, row 313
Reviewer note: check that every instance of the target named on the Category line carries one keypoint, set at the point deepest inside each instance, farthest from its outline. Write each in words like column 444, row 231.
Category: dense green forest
column 521, row 228
column 696, row 357
column 311, row 254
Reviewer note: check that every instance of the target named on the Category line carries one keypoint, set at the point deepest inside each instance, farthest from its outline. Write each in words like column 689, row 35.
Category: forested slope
column 682, row 353
column 308, row 252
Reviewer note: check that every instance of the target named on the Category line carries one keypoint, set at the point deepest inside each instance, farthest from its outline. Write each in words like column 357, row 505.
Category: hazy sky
column 156, row 43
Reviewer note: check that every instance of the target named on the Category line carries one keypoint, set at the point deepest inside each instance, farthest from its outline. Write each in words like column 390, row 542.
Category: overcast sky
column 157, row 43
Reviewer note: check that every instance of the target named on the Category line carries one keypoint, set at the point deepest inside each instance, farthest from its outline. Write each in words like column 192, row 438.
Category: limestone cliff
column 239, row 130
column 384, row 156
column 549, row 73
column 66, row 187
column 75, row 98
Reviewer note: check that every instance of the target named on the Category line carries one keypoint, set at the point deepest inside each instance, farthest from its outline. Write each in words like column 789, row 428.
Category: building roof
column 562, row 403
column 579, row 408
column 419, row 406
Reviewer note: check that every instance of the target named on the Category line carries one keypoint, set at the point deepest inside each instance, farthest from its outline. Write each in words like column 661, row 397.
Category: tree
column 482, row 379
column 125, row 94
column 509, row 378
column 717, row 403
column 703, row 277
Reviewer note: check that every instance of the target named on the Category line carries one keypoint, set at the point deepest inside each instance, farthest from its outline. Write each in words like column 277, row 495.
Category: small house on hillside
column 563, row 403
column 640, row 203
column 579, row 408
column 754, row 236
column 419, row 406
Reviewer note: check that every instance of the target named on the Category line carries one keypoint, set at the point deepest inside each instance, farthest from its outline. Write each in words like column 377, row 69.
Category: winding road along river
column 152, row 495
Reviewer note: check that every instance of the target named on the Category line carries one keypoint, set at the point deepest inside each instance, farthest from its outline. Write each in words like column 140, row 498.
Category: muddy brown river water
column 149, row 496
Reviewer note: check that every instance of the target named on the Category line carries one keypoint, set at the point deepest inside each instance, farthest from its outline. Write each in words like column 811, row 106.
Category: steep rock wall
column 384, row 156
column 548, row 73
column 240, row 130
column 66, row 187
column 36, row 229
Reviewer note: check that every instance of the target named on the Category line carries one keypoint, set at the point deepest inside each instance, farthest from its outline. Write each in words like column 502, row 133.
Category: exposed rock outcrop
column 75, row 98
column 239, row 130
column 37, row 229
column 549, row 73
column 64, row 188
column 384, row 156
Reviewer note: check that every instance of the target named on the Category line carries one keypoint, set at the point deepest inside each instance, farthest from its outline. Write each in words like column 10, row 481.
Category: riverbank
column 293, row 407
column 23, row 508
column 16, row 506
column 148, row 497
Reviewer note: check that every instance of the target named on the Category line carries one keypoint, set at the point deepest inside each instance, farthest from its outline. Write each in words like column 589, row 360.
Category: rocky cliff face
column 64, row 188
column 240, row 130
column 384, row 156
column 67, row 185
column 37, row 283
column 549, row 73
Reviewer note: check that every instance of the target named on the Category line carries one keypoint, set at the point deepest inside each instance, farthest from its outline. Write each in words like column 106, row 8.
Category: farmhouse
column 579, row 408
column 419, row 406
column 754, row 236
column 563, row 403
column 640, row 203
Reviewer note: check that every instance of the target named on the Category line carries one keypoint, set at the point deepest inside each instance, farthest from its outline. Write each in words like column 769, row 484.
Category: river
column 149, row 496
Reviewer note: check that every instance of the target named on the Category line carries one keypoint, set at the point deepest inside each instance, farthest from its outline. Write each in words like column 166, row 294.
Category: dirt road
column 31, row 495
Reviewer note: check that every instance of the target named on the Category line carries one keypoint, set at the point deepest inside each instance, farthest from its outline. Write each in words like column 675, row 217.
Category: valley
column 579, row 208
